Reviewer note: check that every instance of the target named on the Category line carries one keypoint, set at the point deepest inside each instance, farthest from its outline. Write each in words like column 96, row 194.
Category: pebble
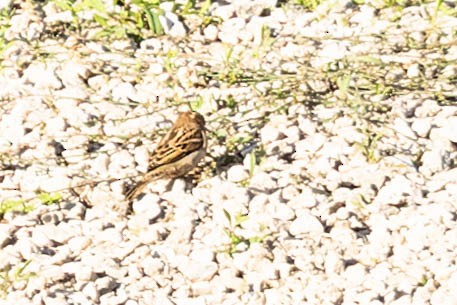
column 421, row 127
column 237, row 173
column 395, row 191
column 196, row 270
column 306, row 224
column 211, row 32
column 225, row 12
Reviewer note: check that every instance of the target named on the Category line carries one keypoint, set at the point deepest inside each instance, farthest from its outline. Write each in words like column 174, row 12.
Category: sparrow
column 178, row 152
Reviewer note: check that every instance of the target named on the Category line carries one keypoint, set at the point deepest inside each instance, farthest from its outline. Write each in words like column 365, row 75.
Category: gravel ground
column 331, row 176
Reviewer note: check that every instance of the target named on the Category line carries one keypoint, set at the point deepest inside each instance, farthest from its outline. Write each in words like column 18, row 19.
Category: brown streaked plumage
column 177, row 153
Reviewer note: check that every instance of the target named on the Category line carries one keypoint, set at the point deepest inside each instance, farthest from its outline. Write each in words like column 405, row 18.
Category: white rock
column 421, row 126
column 289, row 192
column 105, row 285
column 64, row 17
column 55, row 125
column 309, row 145
column 365, row 16
column 74, row 73
column 333, row 263
column 228, row 37
column 198, row 271
column 109, row 235
column 402, row 127
column 59, row 299
column 232, row 26
column 306, row 224
column 225, row 12
column 148, row 207
column 281, row 211
column 12, row 128
column 178, row 30
column 441, row 180
column 202, row 254
column 155, row 69
column 6, row 231
column 427, row 109
column 23, row 26
column 171, row 24
column 343, row 234
column 306, row 199
column 395, row 191
column 237, row 173
column 263, row 182
column 97, row 82
column 26, row 248
column 42, row 76
column 442, row 296
column 449, row 71
column 100, row 165
column 450, row 129
column 256, row 28
column 60, row 233
column 152, row 44
column 4, row 4
column 40, row 239
column 292, row 133
column 52, row 273
column 152, row 266
column 79, row 243
column 414, row 71
column 434, row 160
column 252, row 8
column 55, row 184
column 123, row 92
column 167, row 6
column 355, row 275
column 119, row 160
column 329, row 52
column 90, row 290
column 211, row 32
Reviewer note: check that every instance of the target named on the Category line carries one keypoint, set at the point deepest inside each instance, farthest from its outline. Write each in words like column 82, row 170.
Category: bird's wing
column 176, row 144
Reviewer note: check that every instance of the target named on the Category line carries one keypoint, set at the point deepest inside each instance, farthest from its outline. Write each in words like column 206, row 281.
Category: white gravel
column 318, row 191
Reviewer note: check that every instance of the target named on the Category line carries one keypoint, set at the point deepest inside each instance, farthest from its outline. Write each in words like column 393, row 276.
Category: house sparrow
column 178, row 152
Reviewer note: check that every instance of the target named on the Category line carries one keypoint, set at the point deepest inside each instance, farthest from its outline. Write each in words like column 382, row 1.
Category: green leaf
column 149, row 19
column 197, row 103
column 47, row 198
column 119, row 33
column 189, row 5
column 239, row 218
column 64, row 5
column 252, row 163
column 366, row 58
column 205, row 7
column 343, row 83
column 96, row 4
column 227, row 215
column 100, row 20
column 21, row 269
column 154, row 22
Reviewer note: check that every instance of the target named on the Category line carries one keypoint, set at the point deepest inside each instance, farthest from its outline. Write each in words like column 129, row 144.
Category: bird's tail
column 135, row 190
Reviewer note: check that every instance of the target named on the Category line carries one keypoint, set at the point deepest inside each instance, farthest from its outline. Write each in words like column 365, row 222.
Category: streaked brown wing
column 177, row 144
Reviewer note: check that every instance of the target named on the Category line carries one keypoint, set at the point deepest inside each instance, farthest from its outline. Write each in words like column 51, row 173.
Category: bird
column 177, row 153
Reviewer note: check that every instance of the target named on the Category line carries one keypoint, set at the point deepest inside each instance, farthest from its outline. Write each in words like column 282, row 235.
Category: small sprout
column 18, row 205
column 197, row 103
column 252, row 163
column 8, row 279
column 48, row 199
column 238, row 243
